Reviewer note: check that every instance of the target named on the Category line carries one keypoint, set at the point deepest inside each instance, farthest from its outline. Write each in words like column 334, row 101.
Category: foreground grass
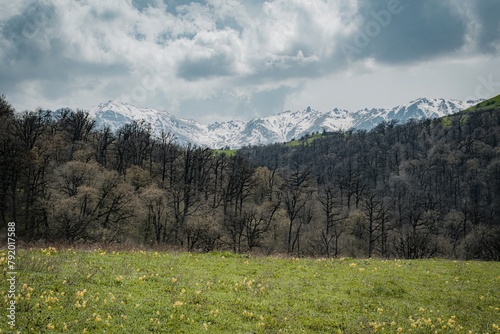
column 76, row 291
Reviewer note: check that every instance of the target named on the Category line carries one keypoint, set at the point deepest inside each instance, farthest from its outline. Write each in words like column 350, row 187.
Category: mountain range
column 281, row 127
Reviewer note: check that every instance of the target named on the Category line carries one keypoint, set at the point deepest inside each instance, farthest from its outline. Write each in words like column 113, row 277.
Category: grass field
column 97, row 291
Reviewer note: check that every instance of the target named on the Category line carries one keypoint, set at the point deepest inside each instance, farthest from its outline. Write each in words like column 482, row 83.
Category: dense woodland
column 423, row 189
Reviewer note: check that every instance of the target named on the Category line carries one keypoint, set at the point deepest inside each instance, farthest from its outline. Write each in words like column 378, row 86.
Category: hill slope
column 490, row 104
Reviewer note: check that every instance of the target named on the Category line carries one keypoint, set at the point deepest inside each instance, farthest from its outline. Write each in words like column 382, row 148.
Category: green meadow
column 105, row 291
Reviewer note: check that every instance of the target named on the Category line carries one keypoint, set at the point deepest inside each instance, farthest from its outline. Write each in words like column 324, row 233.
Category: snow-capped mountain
column 116, row 114
column 270, row 129
column 416, row 109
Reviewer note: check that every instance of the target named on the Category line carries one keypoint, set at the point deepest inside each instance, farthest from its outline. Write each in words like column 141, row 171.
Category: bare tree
column 377, row 220
column 331, row 228
column 296, row 194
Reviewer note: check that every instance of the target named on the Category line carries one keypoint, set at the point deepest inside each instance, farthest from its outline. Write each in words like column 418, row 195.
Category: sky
column 217, row 60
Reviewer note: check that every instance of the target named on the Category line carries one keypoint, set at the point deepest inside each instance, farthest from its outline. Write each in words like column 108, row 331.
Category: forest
column 421, row 189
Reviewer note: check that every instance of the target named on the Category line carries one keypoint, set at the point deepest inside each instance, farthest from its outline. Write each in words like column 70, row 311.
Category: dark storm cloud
column 411, row 31
column 489, row 14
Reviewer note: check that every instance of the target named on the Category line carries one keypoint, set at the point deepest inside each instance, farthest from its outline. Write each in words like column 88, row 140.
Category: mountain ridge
column 280, row 127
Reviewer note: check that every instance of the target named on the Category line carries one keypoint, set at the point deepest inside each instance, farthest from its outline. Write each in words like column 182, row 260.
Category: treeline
column 421, row 189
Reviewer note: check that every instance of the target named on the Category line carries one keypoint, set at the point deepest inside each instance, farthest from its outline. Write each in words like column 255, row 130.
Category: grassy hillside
column 229, row 153
column 493, row 103
column 305, row 140
column 76, row 291
column 488, row 105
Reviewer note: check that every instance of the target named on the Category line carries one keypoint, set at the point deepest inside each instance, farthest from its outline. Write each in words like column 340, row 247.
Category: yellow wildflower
column 178, row 304
column 247, row 314
column 80, row 294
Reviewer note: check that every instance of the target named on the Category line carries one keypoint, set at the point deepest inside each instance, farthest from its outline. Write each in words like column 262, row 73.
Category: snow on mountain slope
column 116, row 114
column 416, row 109
column 270, row 129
